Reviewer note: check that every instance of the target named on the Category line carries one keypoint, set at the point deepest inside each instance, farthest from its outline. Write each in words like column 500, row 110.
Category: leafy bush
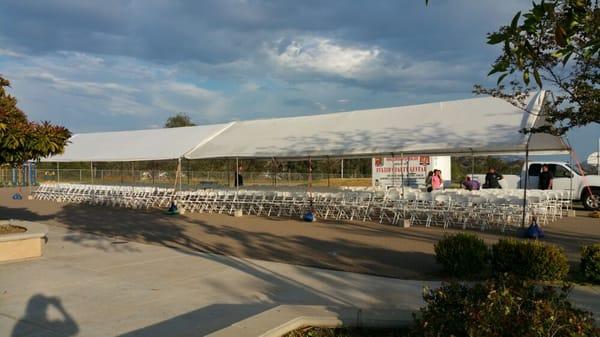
column 462, row 254
column 529, row 260
column 590, row 262
column 501, row 308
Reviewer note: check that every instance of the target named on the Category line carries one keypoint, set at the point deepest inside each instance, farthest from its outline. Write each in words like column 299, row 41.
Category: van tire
column 591, row 201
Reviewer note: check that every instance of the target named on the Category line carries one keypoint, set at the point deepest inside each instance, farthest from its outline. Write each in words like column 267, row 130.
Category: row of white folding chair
column 249, row 202
column 462, row 209
column 117, row 196
column 344, row 205
column 341, row 205
column 445, row 208
column 61, row 192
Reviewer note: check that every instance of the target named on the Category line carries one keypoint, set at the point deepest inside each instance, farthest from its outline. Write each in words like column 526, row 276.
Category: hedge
column 501, row 307
column 532, row 260
column 590, row 262
column 462, row 255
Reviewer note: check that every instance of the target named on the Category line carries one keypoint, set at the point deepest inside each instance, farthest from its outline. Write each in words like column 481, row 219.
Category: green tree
column 22, row 140
column 179, row 120
column 555, row 44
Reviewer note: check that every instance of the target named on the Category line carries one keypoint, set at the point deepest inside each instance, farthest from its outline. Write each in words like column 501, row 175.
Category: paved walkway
column 88, row 285
column 119, row 288
column 361, row 247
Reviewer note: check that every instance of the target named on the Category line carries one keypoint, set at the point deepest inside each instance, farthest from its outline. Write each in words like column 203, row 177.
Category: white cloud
column 82, row 60
column 174, row 97
column 108, row 97
column 321, row 106
column 369, row 67
column 80, row 87
column 323, row 56
column 250, row 86
column 10, row 53
column 188, row 90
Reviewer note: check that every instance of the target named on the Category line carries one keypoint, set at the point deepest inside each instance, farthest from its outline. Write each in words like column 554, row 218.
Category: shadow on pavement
column 202, row 321
column 36, row 321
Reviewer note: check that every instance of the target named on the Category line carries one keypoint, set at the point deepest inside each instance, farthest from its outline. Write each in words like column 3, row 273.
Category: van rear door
column 534, row 176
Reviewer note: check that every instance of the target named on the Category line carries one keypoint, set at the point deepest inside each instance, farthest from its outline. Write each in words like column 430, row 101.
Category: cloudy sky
column 129, row 64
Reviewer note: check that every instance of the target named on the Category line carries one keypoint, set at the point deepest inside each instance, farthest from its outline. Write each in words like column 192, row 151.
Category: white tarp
column 479, row 126
column 154, row 144
column 483, row 125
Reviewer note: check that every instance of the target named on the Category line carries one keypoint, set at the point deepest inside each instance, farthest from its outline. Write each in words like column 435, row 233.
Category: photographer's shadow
column 36, row 319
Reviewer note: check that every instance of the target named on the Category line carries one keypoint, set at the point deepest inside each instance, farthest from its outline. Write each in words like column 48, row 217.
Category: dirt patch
column 10, row 229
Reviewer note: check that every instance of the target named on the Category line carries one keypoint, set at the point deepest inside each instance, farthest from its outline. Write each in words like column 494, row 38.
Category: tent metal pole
column 179, row 170
column 57, row 172
column 328, row 172
column 177, row 175
column 121, row 170
column 276, row 171
column 342, row 166
column 237, row 173
column 309, row 174
column 472, row 165
column 571, row 179
column 92, row 171
column 526, row 184
column 393, row 170
column 402, row 171
column 407, row 168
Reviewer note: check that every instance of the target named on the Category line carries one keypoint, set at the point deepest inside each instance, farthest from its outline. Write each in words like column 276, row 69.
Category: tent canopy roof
column 154, row 144
column 477, row 126
column 485, row 125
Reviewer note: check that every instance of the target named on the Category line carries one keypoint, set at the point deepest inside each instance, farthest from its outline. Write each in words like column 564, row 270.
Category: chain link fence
column 192, row 179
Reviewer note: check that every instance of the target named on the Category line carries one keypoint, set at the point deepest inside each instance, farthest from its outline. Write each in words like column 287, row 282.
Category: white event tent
column 137, row 145
column 484, row 125
column 478, row 126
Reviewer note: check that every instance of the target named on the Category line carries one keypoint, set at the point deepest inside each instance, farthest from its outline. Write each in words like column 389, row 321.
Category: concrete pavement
column 355, row 246
column 89, row 285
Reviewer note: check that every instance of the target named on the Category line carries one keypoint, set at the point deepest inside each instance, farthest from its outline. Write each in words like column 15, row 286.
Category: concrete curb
column 285, row 318
column 34, row 230
column 22, row 246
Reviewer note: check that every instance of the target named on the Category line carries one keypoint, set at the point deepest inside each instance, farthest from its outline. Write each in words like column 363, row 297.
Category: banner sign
column 408, row 170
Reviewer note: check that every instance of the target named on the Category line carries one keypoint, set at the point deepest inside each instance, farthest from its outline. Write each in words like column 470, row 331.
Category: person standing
column 436, row 180
column 492, row 179
column 239, row 179
column 428, row 184
column 546, row 177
